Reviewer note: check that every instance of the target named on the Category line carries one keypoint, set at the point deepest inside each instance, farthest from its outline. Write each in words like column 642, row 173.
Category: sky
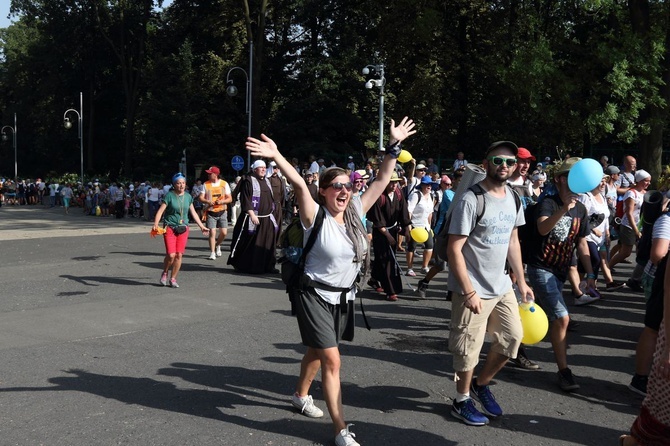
column 4, row 12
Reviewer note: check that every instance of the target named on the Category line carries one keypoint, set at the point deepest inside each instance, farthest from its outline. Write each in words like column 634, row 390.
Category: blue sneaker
column 482, row 394
column 468, row 413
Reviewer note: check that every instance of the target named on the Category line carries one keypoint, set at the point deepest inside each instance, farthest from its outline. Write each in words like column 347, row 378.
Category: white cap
column 257, row 164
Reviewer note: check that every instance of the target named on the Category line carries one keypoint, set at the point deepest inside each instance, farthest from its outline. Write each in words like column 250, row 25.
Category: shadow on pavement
column 560, row 429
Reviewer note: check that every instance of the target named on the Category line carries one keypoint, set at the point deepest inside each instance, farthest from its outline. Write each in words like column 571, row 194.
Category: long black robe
column 254, row 252
column 393, row 215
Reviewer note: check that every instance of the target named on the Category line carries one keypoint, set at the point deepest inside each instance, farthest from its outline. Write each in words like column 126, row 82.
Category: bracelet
column 590, row 276
column 470, row 294
column 393, row 150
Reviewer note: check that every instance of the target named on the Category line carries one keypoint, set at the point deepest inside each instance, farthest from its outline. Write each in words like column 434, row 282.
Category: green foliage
column 557, row 77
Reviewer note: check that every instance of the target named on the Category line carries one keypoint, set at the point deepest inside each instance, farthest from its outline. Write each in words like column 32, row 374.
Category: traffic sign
column 237, row 162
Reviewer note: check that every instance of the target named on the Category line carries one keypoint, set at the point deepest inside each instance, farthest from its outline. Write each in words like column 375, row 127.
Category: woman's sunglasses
column 498, row 161
column 339, row 186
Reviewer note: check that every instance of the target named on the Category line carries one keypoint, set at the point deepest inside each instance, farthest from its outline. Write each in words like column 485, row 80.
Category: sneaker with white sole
column 585, row 299
column 488, row 402
column 164, row 279
column 173, row 283
column 218, row 251
column 306, row 406
column 410, row 272
column 468, row 413
column 212, row 256
column 346, row 438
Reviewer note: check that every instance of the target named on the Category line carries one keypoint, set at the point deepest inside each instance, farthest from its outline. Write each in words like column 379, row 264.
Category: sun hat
column 567, row 165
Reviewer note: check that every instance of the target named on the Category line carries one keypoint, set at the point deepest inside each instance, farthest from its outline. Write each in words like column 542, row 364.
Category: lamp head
column 366, row 71
column 369, row 84
column 231, row 90
column 4, row 136
column 67, row 123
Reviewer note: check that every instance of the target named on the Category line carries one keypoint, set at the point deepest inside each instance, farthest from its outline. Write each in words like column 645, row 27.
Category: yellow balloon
column 419, row 235
column 404, row 156
column 534, row 322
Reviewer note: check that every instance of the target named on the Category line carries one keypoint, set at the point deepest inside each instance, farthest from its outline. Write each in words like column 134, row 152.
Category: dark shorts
column 627, row 236
column 322, row 325
column 428, row 244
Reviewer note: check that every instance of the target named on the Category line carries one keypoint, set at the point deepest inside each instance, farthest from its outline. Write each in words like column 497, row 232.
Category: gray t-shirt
column 485, row 250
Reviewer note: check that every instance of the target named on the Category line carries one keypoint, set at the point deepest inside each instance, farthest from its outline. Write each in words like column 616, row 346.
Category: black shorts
column 323, row 325
column 653, row 315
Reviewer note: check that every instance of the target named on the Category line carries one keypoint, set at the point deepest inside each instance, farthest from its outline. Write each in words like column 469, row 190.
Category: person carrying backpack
column 482, row 295
column 561, row 225
column 324, row 306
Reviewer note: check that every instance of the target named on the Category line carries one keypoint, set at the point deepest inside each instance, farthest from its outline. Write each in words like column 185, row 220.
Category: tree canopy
column 585, row 77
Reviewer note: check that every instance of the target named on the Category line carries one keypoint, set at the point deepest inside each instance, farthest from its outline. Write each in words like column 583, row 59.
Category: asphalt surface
column 95, row 352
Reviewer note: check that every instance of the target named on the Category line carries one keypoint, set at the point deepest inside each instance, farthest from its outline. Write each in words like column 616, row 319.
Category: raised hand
column 403, row 130
column 263, row 148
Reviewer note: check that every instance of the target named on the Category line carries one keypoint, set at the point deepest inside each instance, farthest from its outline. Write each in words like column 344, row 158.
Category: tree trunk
column 651, row 145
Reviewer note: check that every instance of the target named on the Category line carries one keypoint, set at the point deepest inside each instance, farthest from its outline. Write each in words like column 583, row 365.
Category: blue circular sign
column 237, row 162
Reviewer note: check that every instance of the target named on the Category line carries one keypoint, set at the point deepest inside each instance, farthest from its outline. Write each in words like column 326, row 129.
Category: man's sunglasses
column 498, row 161
column 339, row 186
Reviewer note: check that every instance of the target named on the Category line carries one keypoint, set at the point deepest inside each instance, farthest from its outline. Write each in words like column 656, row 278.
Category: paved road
column 94, row 352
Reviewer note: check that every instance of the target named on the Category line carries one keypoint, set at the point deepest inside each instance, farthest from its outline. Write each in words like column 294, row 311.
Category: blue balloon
column 585, row 175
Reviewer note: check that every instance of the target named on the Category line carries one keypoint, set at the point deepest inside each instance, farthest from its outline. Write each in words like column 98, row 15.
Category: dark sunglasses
column 498, row 161
column 339, row 186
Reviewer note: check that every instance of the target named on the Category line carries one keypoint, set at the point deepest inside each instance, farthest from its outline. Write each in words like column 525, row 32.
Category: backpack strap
column 517, row 197
column 318, row 222
column 479, row 192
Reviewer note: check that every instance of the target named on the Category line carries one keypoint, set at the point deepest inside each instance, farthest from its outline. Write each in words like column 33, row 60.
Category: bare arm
column 629, row 206
column 266, row 148
column 659, row 248
column 196, row 219
column 398, row 134
column 514, row 260
column 159, row 215
column 458, row 267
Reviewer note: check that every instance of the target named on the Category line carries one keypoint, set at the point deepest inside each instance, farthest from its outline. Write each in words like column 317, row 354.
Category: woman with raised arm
column 324, row 308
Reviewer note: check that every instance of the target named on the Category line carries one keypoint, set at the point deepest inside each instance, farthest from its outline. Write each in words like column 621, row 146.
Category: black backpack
column 652, row 208
column 292, row 261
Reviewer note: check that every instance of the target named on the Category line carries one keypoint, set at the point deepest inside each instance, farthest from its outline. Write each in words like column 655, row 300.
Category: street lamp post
column 80, row 119
column 231, row 90
column 4, row 138
column 380, row 81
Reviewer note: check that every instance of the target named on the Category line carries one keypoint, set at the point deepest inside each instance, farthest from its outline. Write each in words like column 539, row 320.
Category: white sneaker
column 585, row 299
column 212, row 256
column 346, row 438
column 410, row 273
column 306, row 406
column 218, row 250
